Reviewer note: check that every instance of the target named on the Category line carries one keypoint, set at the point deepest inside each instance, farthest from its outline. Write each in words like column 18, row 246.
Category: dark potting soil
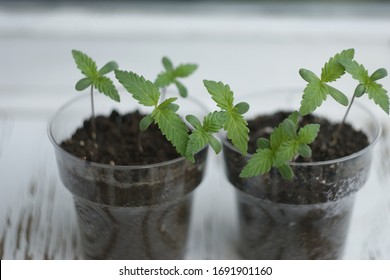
column 348, row 142
column 119, row 141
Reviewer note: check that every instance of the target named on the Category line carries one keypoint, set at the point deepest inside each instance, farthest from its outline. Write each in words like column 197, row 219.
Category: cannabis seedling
column 172, row 74
column 173, row 127
column 95, row 78
column 285, row 142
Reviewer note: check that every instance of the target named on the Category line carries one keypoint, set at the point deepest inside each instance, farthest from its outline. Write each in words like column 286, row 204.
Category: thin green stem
column 163, row 94
column 340, row 127
column 93, row 123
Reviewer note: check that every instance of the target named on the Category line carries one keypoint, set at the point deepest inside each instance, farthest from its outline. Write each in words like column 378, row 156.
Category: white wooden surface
column 250, row 47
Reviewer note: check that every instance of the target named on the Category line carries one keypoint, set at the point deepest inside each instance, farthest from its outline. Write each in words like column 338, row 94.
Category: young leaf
column 308, row 76
column 378, row 74
column 145, row 122
column 181, row 88
column 333, row 70
column 167, row 63
column 184, row 70
column 304, row 150
column 242, row 107
column 286, row 171
column 260, row 163
column 215, row 144
column 164, row 79
column 308, row 133
column 83, row 84
column 173, row 127
column 220, row 93
column 145, row 92
column 360, row 90
column 379, row 95
column 108, row 67
column 337, row 95
column 263, row 143
column 357, row 70
column 106, row 86
column 314, row 94
column 286, row 152
column 85, row 64
column 194, row 121
column 197, row 141
column 214, row 121
column 237, row 131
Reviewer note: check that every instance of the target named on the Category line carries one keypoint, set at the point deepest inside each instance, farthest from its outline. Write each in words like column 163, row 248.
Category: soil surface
column 119, row 141
column 349, row 140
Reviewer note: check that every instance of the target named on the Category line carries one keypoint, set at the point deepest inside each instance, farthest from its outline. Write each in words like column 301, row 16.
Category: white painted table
column 250, row 47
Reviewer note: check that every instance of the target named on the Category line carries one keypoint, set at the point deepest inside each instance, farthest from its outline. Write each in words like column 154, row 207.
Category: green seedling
column 95, row 78
column 287, row 142
column 174, row 128
column 172, row 74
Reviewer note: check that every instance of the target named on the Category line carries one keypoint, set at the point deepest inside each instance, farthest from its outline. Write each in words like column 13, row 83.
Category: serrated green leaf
column 260, row 163
column 360, row 90
column 194, row 121
column 167, row 63
column 83, row 84
column 333, row 70
column 144, row 91
column 277, row 137
column 220, row 93
column 164, row 79
column 242, row 107
column 184, row 70
column 196, row 142
column 145, row 122
column 263, row 143
column 308, row 75
column 286, row 152
column 379, row 95
column 181, row 88
column 314, row 94
column 237, row 130
column 378, row 74
column 86, row 64
column 357, row 70
column 173, row 127
column 106, row 86
column 289, row 128
column 308, row 133
column 215, row 144
column 286, row 171
column 337, row 95
column 304, row 150
column 214, row 121
column 167, row 102
column 294, row 117
column 108, row 67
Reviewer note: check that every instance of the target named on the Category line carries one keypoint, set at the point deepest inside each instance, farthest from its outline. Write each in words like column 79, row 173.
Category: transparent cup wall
column 127, row 212
column 315, row 224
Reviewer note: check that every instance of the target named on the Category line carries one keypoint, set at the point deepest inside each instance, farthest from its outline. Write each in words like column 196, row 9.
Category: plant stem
column 337, row 133
column 93, row 123
column 163, row 94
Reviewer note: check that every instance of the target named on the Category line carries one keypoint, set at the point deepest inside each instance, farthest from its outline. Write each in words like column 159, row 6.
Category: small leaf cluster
column 94, row 77
column 172, row 74
column 317, row 89
column 173, row 127
column 285, row 143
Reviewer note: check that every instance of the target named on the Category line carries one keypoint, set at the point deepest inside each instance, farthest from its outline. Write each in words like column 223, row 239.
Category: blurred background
column 251, row 45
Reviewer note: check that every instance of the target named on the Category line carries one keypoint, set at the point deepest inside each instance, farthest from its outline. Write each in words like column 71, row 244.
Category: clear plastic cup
column 127, row 212
column 315, row 224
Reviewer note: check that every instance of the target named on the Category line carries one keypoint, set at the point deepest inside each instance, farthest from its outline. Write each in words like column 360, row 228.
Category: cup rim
column 104, row 165
column 370, row 146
